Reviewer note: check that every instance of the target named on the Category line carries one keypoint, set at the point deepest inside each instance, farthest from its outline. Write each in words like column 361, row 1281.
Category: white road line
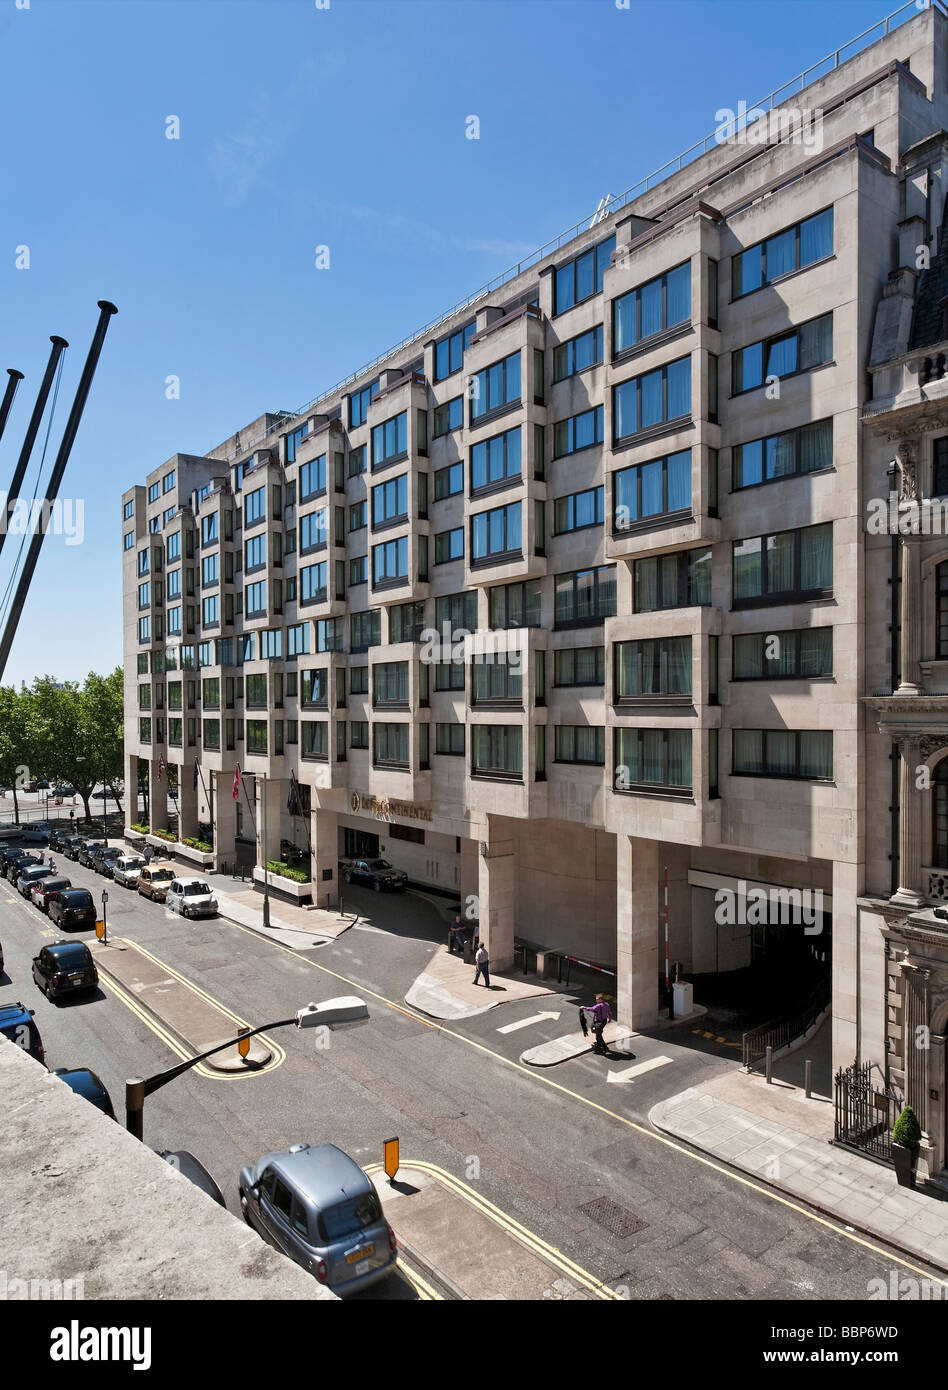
column 639, row 1069
column 526, row 1022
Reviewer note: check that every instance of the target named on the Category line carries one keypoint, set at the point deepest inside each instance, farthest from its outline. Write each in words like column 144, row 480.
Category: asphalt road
column 562, row 1150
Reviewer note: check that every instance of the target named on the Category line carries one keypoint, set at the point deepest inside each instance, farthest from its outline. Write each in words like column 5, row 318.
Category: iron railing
column 781, row 1032
column 865, row 1112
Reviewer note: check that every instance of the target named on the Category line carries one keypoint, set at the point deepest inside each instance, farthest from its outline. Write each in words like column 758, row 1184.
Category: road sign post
column 390, row 1159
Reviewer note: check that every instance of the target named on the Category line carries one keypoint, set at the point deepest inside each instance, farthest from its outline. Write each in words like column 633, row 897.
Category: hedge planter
column 906, row 1139
column 200, row 857
column 300, row 894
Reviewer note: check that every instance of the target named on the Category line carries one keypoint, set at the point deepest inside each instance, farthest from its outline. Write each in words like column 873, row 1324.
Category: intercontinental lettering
column 382, row 809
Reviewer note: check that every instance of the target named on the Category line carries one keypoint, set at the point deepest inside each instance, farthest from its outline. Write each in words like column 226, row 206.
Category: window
column 798, row 246
column 449, row 416
column 495, row 460
column 803, row 450
column 359, row 570
column 256, row 691
column 581, row 277
column 785, row 566
column 578, row 432
column 459, row 611
column 128, row 511
column 579, row 666
column 329, row 635
column 659, row 304
column 144, row 561
column 357, row 461
column 800, row 754
column 144, row 595
column 209, row 570
column 652, row 399
column 294, row 440
column 390, row 742
column 209, row 529
column 255, row 553
column 255, row 600
column 271, row 642
column 799, row 350
column 154, row 492
column 682, row 580
column 406, row 622
column 390, row 683
column 358, row 680
column 245, row 646
column 514, row 605
column 359, row 404
column 144, row 697
column 366, row 629
column 313, row 583
column 174, row 547
column 174, row 583
column 128, row 540
column 168, row 515
column 653, row 758
column 448, row 481
column 496, row 533
column 577, row 354
column 155, row 524
column 312, row 478
column 585, row 597
column 449, row 351
column 578, row 510
column 449, row 545
column 796, row 654
column 225, row 651
column 449, row 675
column 576, row 743
column 359, row 733
column 497, row 750
column 390, row 562
column 390, row 440
column 297, row 640
column 204, row 654
column 658, row 488
column 174, row 621
column 255, row 506
column 389, row 501
column 496, row 386
column 939, row 858
column 449, row 739
column 256, row 735
column 655, row 668
column 144, row 730
column 313, row 531
column 499, row 677
column 314, row 687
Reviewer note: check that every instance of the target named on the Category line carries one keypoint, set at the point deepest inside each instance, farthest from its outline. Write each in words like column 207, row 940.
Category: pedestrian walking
column 601, row 1014
column 482, row 961
column 456, row 936
column 147, row 852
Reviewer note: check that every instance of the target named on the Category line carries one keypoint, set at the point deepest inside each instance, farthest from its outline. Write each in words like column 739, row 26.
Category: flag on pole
column 161, row 766
column 194, row 784
column 237, row 783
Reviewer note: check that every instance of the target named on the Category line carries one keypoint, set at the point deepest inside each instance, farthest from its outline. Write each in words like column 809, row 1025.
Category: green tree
column 76, row 732
column 15, row 742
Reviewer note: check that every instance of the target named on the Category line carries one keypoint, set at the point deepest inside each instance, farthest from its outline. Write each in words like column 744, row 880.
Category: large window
column 366, row 629
column 578, row 743
column 578, row 432
column 210, row 572
column 256, row 735
column 681, row 580
column 390, row 742
column 406, row 622
column 255, row 691
column 449, row 739
column 803, row 450
column 357, row 461
column 660, row 487
column 795, row 247
column 390, row 683
column 803, row 754
column 312, row 478
column 661, row 303
column 314, row 687
column 796, row 654
column 255, row 553
column 941, row 598
column 585, row 597
column 940, row 816
column 514, row 605
column 271, row 642
column 496, row 533
column 174, row 547
column 498, row 678
column 655, row 398
column 449, row 545
column 297, row 639
column 210, row 611
column 313, row 530
column 294, row 440
column 459, row 611
column 495, row 460
column 315, row 738
column 255, row 506
column 390, row 562
column 581, row 277
column 651, row 758
column 359, row 404
column 449, row 416
column 174, row 583
column 577, row 354
column 359, row 733
column 390, row 440
column 448, row 481
column 255, row 600
column 390, row 501
column 496, row 386
column 655, row 668
column 497, row 750
column 799, row 350
column 330, row 635
column 785, row 566
column 449, row 351
column 449, row 675
column 579, row 666
column 578, row 510
column 313, row 583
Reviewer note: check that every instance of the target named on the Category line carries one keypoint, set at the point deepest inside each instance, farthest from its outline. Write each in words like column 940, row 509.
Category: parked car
column 14, row 867
column 72, row 907
column 187, row 1164
column 35, row 833
column 89, row 853
column 192, row 897
column 106, row 861
column 57, row 839
column 317, row 1206
column 378, row 873
column 17, row 1024
column 64, row 791
column 66, row 967
column 155, row 879
column 30, row 875
column 9, row 856
column 42, row 891
column 127, row 868
column 85, row 1083
column 73, row 845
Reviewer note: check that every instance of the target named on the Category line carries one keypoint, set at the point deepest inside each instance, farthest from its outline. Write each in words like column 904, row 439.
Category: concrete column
column 853, row 992
column 497, row 892
column 275, row 793
column 910, row 827
column 131, row 790
column 324, row 835
column 637, row 929
column 187, row 803
column 469, row 878
column 157, row 797
column 225, row 815
column 910, row 615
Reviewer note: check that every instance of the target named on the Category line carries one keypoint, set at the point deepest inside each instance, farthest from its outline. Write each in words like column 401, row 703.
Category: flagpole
column 266, row 876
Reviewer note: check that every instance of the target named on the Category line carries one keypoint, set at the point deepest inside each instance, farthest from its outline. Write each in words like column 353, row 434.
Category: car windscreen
column 379, row 864
column 350, row 1217
column 75, row 956
column 78, row 897
column 192, row 890
column 53, row 885
column 128, row 864
column 159, row 875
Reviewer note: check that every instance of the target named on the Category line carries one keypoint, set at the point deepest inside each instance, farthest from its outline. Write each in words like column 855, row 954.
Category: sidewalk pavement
column 779, row 1137
column 577, row 1044
column 472, row 1248
column 445, row 988
column 301, row 927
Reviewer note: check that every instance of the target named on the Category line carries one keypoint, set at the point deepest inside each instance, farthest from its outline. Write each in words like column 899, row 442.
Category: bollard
column 134, row 1105
column 809, row 1079
column 770, row 1064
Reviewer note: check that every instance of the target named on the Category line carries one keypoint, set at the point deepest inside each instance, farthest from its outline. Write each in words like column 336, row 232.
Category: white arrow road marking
column 639, row 1069
column 525, row 1022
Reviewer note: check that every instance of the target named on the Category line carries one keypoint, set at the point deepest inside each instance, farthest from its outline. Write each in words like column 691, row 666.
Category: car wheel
column 245, row 1208
column 376, row 885
column 348, row 878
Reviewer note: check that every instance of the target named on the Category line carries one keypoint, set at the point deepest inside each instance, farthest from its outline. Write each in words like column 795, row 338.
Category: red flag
column 237, row 783
column 161, row 766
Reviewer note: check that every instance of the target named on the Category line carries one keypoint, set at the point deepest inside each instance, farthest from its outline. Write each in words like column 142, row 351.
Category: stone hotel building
column 587, row 585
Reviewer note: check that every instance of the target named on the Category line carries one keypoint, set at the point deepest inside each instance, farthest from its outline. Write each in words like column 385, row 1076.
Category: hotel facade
column 586, row 588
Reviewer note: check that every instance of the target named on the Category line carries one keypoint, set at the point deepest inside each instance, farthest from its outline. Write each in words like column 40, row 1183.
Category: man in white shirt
column 482, row 961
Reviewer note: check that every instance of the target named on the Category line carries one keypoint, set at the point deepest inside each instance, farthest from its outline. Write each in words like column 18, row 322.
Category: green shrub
column 202, row 845
column 165, row 835
column 907, row 1129
column 276, row 866
column 142, row 829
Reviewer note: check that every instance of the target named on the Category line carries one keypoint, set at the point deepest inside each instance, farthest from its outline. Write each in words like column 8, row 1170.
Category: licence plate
column 363, row 1267
column 361, row 1256
column 76, row 979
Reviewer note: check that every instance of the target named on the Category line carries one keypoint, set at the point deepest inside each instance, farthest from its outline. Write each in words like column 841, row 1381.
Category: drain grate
column 612, row 1218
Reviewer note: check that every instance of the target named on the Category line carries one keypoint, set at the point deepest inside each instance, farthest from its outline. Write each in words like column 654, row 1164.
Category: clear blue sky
column 301, row 127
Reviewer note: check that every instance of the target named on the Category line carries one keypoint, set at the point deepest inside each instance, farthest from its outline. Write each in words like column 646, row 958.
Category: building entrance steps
column 445, row 989
column 472, row 1248
column 180, row 1007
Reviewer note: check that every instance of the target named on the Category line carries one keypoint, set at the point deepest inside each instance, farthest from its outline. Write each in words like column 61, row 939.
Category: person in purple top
column 601, row 1015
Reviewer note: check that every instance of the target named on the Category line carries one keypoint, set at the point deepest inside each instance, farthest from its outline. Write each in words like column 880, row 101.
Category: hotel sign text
column 382, row 808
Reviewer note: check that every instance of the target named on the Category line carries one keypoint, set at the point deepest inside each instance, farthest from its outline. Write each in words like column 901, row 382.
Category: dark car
column 378, row 873
column 16, row 1023
column 106, row 861
column 10, row 855
column 89, row 851
column 58, row 839
column 72, row 846
column 85, row 1083
column 66, row 967
column 72, row 907
column 41, row 892
column 12, row 868
column 195, row 1172
column 28, row 877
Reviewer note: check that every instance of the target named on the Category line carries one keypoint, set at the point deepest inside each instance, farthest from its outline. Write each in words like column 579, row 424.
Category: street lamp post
column 266, row 872
column 334, row 1013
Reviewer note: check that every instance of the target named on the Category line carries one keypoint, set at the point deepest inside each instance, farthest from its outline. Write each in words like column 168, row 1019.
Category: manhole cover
column 613, row 1218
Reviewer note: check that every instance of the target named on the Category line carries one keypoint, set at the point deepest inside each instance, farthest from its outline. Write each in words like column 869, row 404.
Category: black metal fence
column 781, row 1032
column 866, row 1111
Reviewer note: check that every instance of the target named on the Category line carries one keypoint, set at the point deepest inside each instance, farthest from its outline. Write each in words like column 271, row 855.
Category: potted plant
column 906, row 1138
